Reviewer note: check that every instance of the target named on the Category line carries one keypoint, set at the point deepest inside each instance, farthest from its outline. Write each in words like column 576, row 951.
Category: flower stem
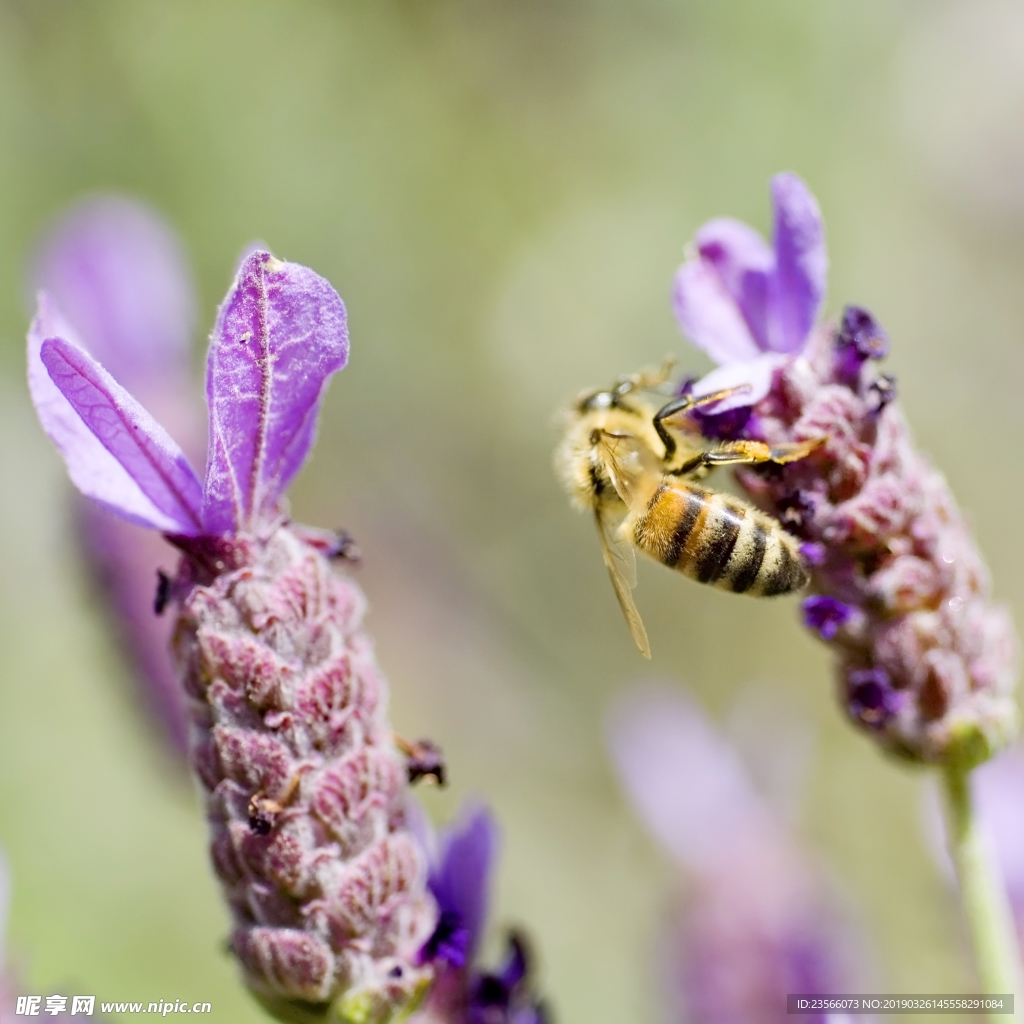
column 982, row 891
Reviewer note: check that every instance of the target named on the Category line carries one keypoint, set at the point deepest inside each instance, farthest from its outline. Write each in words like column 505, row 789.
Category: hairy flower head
column 306, row 791
column 927, row 661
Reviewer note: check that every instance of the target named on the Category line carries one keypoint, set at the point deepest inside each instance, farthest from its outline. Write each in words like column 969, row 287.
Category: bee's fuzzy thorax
column 579, row 475
column 579, row 462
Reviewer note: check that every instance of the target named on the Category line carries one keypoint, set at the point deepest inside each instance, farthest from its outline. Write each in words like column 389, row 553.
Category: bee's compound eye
column 598, row 400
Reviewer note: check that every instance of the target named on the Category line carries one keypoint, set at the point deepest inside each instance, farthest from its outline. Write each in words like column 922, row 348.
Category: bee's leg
column 424, row 760
column 748, row 453
column 652, row 380
column 263, row 811
column 642, row 381
column 684, row 404
column 784, row 453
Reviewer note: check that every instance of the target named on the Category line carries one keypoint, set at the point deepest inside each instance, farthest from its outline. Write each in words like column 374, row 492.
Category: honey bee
column 633, row 463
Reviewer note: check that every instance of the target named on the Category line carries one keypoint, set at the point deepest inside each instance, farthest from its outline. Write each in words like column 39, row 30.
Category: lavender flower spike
column 927, row 661
column 120, row 276
column 306, row 791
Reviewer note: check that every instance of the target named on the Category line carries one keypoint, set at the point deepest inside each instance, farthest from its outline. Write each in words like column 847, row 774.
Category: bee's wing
column 621, row 562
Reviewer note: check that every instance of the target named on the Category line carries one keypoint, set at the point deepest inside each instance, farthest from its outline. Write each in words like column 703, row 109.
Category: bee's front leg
column 684, row 404
column 748, row 453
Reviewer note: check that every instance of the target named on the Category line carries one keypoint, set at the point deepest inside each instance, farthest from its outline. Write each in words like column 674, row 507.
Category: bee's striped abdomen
column 717, row 539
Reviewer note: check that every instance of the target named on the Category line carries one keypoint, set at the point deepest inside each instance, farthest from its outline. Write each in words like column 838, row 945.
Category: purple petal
column 860, row 337
column 861, row 332
column 119, row 274
column 280, row 334
column 506, row 996
column 250, row 249
column 460, row 881
column 517, row 963
column 449, row 942
column 801, row 264
column 825, row 615
column 91, row 467
column 741, row 259
column 709, row 316
column 728, row 425
column 813, row 553
column 870, row 697
column 135, row 468
column 755, row 376
column 681, row 776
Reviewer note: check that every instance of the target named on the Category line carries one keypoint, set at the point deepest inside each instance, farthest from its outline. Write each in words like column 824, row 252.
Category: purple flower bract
column 746, row 304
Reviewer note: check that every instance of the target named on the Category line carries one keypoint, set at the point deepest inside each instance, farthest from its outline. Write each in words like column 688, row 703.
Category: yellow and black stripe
column 718, row 539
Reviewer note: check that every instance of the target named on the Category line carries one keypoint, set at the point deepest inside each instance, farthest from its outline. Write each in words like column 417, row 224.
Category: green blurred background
column 501, row 192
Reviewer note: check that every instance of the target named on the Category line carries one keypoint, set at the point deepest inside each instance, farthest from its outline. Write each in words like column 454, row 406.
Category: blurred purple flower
column 120, row 276
column 306, row 791
column 760, row 919
column 460, row 880
column 749, row 306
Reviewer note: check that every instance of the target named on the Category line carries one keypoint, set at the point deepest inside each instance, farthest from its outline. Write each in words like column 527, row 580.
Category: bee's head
column 592, row 401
